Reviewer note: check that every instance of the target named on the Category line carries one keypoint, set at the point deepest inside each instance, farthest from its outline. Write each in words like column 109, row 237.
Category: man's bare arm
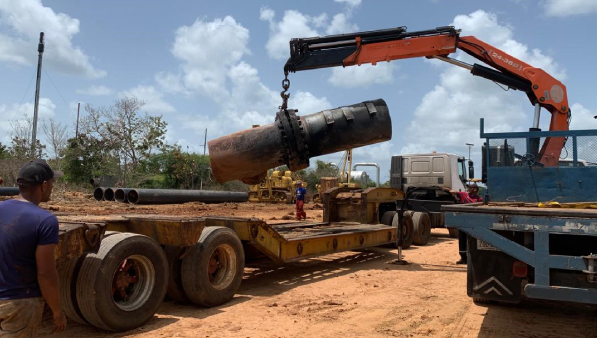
column 47, row 277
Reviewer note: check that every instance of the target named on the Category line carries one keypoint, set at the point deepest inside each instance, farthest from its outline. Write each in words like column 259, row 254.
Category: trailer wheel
column 213, row 269
column 175, row 289
column 387, row 217
column 122, row 286
column 453, row 232
column 67, row 273
column 422, row 225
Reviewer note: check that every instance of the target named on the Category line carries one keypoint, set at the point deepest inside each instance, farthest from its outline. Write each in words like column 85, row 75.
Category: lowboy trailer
column 201, row 260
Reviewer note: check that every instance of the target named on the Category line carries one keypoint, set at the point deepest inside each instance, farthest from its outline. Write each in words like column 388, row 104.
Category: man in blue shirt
column 300, row 201
column 28, row 237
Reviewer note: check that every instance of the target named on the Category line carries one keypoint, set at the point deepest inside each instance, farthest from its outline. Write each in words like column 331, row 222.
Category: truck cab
column 422, row 176
column 431, row 170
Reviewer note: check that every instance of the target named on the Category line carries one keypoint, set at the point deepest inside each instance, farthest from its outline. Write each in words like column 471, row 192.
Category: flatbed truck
column 537, row 237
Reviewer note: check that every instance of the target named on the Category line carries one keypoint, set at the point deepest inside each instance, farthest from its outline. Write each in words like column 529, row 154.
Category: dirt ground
column 350, row 294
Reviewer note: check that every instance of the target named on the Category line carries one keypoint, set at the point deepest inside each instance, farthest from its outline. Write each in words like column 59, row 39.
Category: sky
column 218, row 65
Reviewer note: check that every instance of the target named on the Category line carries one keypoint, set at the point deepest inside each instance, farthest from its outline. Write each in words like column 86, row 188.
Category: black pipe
column 173, row 196
column 293, row 140
column 9, row 191
column 109, row 194
column 98, row 193
column 120, row 195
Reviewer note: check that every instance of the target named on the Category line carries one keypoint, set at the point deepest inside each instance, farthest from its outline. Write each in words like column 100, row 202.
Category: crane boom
column 542, row 89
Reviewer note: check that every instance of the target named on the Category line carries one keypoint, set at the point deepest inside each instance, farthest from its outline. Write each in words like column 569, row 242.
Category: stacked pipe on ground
column 9, row 191
column 173, row 196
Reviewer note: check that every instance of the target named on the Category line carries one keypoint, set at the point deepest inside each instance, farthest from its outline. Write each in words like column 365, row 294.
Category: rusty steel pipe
column 293, row 140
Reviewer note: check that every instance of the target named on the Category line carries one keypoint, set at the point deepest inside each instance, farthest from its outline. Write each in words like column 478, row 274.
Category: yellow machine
column 344, row 181
column 277, row 187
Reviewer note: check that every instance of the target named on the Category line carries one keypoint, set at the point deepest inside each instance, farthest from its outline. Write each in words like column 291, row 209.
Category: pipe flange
column 296, row 151
column 299, row 137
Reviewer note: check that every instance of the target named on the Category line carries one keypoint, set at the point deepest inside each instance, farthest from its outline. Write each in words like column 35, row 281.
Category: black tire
column 407, row 230
column 422, row 228
column 67, row 274
column 122, row 256
column 222, row 247
column 387, row 217
column 175, row 290
column 453, row 232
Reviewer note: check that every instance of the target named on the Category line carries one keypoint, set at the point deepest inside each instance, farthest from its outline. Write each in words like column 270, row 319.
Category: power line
column 58, row 90
column 26, row 91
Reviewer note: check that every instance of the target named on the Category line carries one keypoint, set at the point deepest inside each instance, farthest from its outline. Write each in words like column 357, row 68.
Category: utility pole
column 204, row 141
column 77, row 128
column 40, row 49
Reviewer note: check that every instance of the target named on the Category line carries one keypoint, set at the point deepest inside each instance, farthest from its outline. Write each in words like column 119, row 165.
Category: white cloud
column 564, row 8
column 220, row 73
column 582, row 118
column 25, row 19
column 448, row 116
column 96, row 91
column 353, row 3
column 208, row 50
column 294, row 24
column 154, row 102
column 306, row 103
column 18, row 114
column 266, row 14
column 379, row 152
column 341, row 24
column 363, row 76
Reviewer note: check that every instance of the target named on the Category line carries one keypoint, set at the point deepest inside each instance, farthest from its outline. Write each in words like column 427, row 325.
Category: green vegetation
column 117, row 145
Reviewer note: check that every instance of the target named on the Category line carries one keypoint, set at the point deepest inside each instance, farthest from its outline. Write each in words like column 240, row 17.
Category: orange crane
column 542, row 89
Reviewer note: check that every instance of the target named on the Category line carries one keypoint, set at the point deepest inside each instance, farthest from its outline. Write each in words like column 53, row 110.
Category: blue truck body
column 517, row 249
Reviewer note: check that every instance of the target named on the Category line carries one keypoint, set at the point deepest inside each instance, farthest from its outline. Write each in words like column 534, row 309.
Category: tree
column 131, row 136
column 20, row 147
column 86, row 157
column 56, row 136
column 4, row 153
column 184, row 170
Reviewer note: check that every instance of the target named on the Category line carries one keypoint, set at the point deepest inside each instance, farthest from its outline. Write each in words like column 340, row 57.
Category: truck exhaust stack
column 293, row 140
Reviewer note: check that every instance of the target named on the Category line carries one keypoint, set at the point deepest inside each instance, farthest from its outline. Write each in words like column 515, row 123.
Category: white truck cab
column 429, row 170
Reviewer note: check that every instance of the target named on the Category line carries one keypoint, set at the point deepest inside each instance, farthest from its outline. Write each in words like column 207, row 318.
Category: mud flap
column 489, row 274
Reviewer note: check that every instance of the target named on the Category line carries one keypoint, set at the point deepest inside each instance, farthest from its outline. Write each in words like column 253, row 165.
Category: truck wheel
column 122, row 286
column 422, row 225
column 213, row 269
column 453, row 232
column 387, row 217
column 67, row 273
column 175, row 290
column 407, row 229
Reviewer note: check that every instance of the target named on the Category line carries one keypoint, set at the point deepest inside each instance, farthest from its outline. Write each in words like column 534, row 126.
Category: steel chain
column 283, row 94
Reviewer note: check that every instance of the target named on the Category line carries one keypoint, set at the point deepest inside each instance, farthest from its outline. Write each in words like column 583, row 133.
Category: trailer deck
column 282, row 242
